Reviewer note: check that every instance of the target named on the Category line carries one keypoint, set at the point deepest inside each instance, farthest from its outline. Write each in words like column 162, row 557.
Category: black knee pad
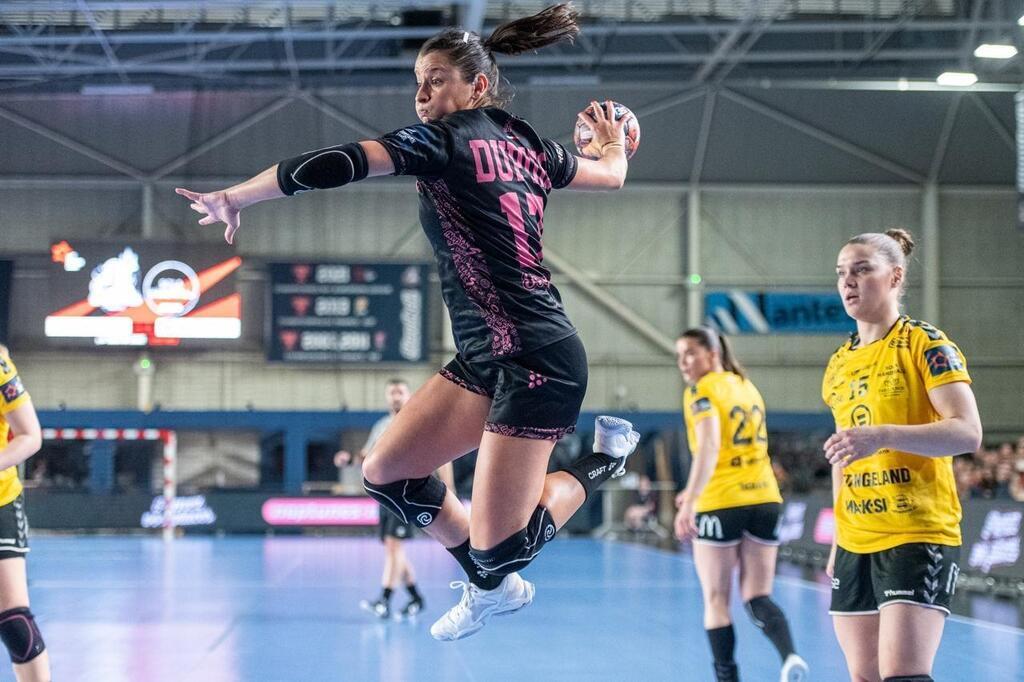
column 516, row 552
column 20, row 634
column 909, row 678
column 763, row 611
column 767, row 616
column 414, row 500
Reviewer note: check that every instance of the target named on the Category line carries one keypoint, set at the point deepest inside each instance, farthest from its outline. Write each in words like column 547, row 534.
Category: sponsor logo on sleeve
column 942, row 359
column 12, row 390
column 700, row 405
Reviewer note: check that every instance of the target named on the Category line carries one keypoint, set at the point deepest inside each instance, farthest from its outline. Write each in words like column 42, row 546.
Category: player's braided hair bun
column 903, row 238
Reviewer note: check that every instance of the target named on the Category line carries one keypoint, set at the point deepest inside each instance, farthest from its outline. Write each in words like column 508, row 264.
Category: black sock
column 767, row 615
column 385, row 595
column 723, row 644
column 413, row 592
column 476, row 575
column 909, row 678
column 592, row 470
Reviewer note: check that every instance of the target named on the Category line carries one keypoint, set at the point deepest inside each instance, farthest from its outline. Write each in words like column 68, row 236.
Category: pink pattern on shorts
column 462, row 383
column 536, row 379
column 473, row 271
column 531, row 432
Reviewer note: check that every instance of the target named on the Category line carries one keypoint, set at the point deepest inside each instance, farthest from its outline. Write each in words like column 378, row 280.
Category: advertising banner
column 775, row 312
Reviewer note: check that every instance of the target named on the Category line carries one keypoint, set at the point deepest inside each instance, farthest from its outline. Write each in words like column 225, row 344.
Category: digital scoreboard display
column 347, row 312
column 141, row 293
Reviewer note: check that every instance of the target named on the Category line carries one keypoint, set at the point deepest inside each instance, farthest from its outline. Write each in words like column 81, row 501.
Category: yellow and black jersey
column 743, row 474
column 893, row 498
column 12, row 396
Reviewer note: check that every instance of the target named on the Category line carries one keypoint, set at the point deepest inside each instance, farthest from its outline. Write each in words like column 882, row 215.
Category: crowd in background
column 992, row 473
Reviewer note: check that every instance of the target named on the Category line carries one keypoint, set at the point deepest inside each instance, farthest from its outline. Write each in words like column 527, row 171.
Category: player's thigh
column 507, row 486
column 908, row 639
column 715, row 564
column 858, row 638
column 13, row 583
column 757, row 567
column 441, row 422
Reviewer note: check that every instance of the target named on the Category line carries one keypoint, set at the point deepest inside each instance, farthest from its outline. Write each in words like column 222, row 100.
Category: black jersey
column 483, row 176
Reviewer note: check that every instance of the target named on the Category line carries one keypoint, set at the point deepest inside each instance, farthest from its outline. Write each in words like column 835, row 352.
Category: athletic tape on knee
column 516, row 552
column 20, row 635
column 414, row 500
column 322, row 169
column 767, row 616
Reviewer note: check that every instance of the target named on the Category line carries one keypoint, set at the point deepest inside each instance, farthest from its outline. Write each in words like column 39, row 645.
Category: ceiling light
column 957, row 79
column 1020, row 22
column 993, row 51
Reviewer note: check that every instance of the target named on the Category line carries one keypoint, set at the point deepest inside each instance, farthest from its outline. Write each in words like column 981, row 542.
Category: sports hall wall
column 781, row 180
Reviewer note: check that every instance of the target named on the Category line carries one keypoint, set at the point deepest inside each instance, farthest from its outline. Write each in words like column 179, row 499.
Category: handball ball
column 584, row 134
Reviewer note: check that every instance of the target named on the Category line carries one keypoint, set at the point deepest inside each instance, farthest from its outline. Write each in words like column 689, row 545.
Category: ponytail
column 550, row 25
column 729, row 361
column 471, row 54
column 714, row 341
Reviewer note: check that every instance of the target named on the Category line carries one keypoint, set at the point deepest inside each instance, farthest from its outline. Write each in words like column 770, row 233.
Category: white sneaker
column 476, row 606
column 794, row 669
column 616, row 438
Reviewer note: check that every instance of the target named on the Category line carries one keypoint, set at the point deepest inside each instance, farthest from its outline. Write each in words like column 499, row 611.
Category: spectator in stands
column 1003, row 475
column 1017, row 482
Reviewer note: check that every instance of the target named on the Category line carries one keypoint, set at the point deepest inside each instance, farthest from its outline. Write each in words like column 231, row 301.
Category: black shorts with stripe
column 759, row 522
column 13, row 529
column 914, row 573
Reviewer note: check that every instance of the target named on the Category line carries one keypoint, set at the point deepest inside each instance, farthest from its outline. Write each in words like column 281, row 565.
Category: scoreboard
column 347, row 312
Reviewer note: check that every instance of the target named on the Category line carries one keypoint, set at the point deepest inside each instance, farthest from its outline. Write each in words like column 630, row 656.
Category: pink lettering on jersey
column 502, row 161
column 499, row 159
column 517, row 156
column 480, row 150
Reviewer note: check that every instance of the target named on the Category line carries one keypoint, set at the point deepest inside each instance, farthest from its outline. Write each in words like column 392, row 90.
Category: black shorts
column 393, row 527
column 13, row 529
column 725, row 527
column 914, row 573
column 537, row 395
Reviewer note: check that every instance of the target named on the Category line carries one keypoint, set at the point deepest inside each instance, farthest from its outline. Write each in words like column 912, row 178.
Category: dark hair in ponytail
column 713, row 341
column 472, row 55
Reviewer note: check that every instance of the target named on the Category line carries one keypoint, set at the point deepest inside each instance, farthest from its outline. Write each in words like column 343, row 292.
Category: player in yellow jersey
column 902, row 402
column 731, row 503
column 20, row 438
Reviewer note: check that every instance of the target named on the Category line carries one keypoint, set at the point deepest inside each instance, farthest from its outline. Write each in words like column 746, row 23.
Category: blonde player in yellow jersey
column 902, row 402
column 731, row 503
column 20, row 438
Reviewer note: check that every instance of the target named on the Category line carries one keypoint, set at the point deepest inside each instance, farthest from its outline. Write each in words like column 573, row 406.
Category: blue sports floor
column 286, row 608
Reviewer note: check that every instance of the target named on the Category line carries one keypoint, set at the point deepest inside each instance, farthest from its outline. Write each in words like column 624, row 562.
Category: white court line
column 811, row 585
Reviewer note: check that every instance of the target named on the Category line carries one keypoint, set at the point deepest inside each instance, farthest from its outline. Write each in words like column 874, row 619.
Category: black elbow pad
column 322, row 169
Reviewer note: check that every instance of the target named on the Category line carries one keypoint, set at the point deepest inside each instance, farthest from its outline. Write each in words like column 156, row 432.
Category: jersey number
column 511, row 206
column 751, row 427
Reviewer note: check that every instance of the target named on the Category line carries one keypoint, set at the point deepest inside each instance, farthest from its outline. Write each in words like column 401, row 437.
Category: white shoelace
column 466, row 603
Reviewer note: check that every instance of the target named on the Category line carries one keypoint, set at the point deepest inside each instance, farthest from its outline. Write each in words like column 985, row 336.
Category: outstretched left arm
column 224, row 206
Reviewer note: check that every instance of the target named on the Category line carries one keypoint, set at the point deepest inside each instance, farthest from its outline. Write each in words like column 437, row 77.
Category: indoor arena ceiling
column 144, row 45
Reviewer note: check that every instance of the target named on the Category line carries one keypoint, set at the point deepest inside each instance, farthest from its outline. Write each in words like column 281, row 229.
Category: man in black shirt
column 518, row 380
